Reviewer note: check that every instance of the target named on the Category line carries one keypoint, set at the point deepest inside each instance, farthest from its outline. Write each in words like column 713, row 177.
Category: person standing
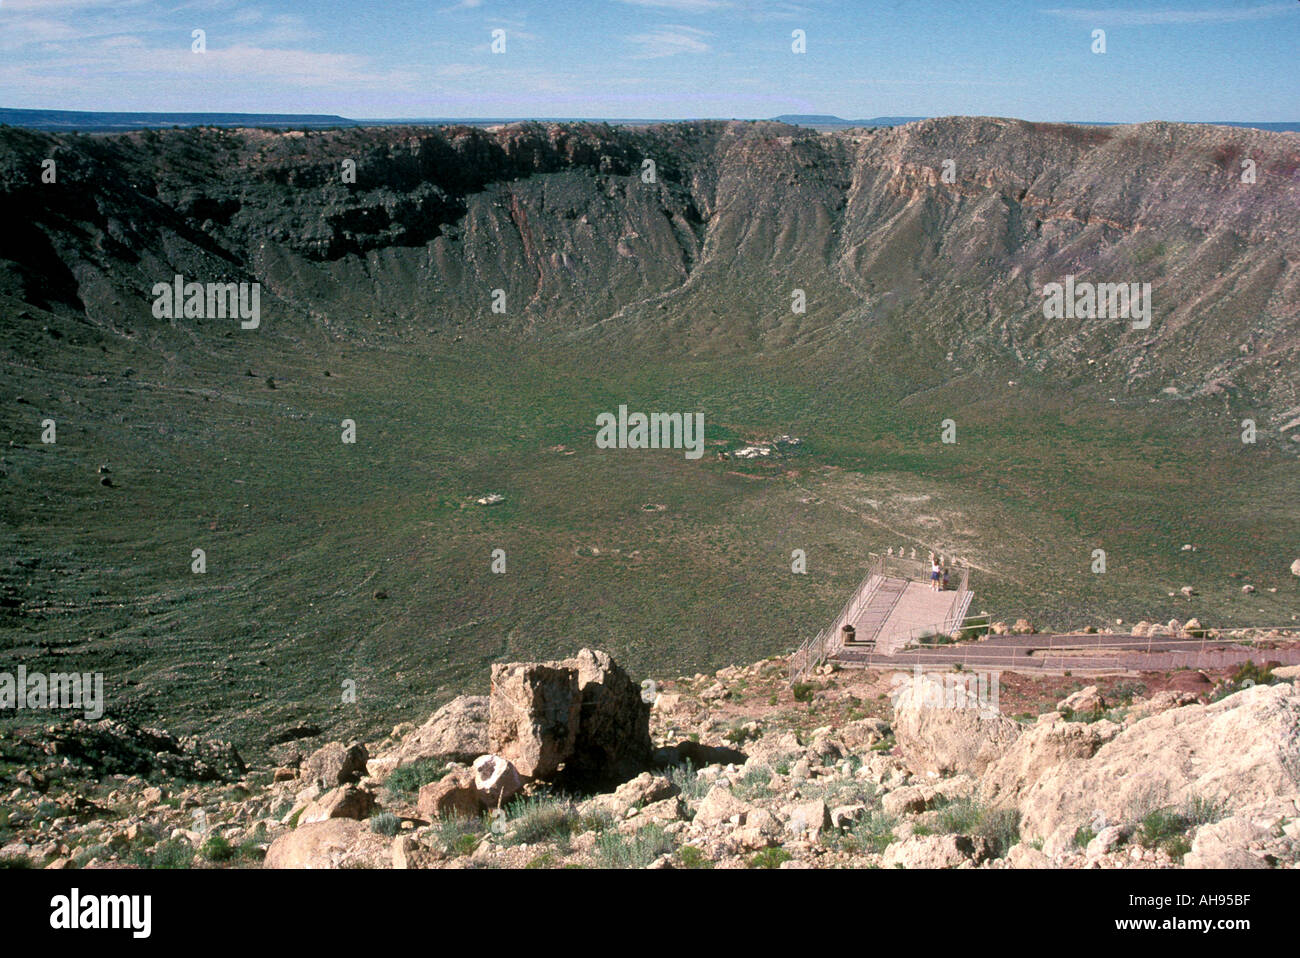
column 934, row 573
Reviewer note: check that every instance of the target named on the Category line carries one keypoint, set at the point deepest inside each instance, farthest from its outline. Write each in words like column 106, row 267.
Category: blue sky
column 659, row 59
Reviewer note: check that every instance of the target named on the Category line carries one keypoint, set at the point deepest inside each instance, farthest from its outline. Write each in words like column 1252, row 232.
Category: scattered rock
column 1086, row 701
column 346, row 801
column 453, row 795
column 719, row 806
column 336, row 764
column 336, row 843
column 931, row 851
column 807, row 819
column 496, row 779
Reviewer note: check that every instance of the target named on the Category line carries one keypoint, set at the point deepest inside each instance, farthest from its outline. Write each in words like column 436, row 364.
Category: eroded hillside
column 900, row 266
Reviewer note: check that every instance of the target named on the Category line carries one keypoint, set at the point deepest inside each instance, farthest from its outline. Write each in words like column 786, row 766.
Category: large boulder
column 613, row 740
column 335, row 764
column 1240, row 749
column 719, row 806
column 807, row 819
column 335, row 843
column 533, row 714
column 933, row 851
column 457, row 732
column 1042, row 747
column 1261, row 836
column 346, row 801
column 1086, row 700
column 942, row 729
column 455, row 795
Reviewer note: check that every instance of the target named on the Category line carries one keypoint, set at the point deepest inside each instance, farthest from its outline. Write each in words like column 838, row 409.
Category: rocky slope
column 732, row 770
column 901, row 268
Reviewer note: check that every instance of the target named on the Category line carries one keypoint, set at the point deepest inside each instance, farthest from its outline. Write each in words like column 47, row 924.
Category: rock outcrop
column 336, row 843
column 533, row 714
column 1240, row 749
column 938, row 737
column 335, row 764
column 613, row 738
column 457, row 732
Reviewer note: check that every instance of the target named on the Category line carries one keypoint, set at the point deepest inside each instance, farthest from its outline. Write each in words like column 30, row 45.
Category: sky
column 1192, row 60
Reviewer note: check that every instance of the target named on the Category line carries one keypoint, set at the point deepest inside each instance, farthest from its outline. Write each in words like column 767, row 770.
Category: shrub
column 739, row 736
column 540, row 818
column 770, row 858
column 457, row 835
column 754, row 783
column 692, row 857
column 1203, row 811
column 385, row 823
column 686, row 778
column 961, row 817
column 1000, row 828
column 1082, row 836
column 873, row 833
column 802, row 691
column 408, row 779
column 1161, row 827
column 1247, row 675
column 173, row 853
column 614, row 850
column 217, row 849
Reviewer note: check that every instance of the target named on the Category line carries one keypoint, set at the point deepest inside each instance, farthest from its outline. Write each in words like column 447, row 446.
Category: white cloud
column 683, row 6
column 670, row 40
column 1144, row 18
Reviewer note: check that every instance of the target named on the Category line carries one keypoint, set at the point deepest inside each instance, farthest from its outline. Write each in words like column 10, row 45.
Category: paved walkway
column 1075, row 652
column 899, row 610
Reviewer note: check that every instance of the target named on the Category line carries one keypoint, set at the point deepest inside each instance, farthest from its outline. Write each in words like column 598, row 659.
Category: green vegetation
column 408, row 779
column 615, row 850
column 217, row 849
column 437, row 427
column 686, row 778
column 770, row 858
column 457, row 835
column 1169, row 827
column 540, row 818
column 385, row 823
column 872, row 833
column 173, row 853
column 999, row 827
column 692, row 857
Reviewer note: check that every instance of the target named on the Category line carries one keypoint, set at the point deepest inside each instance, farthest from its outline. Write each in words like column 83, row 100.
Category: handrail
column 826, row 643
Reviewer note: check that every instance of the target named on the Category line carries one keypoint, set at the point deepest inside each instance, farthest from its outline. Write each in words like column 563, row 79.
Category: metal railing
column 1081, row 653
column 815, row 651
column 825, row 643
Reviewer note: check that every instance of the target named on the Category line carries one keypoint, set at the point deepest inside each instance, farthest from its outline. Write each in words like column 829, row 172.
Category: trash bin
column 850, row 633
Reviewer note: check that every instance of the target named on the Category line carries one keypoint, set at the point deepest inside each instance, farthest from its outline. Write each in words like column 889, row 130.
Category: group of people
column 938, row 574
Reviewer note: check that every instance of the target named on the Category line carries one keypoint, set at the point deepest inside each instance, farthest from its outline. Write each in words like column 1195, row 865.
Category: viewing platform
column 892, row 607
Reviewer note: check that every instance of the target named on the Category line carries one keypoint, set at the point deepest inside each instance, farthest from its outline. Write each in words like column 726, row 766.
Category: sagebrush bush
column 614, row 850
column 410, row 778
